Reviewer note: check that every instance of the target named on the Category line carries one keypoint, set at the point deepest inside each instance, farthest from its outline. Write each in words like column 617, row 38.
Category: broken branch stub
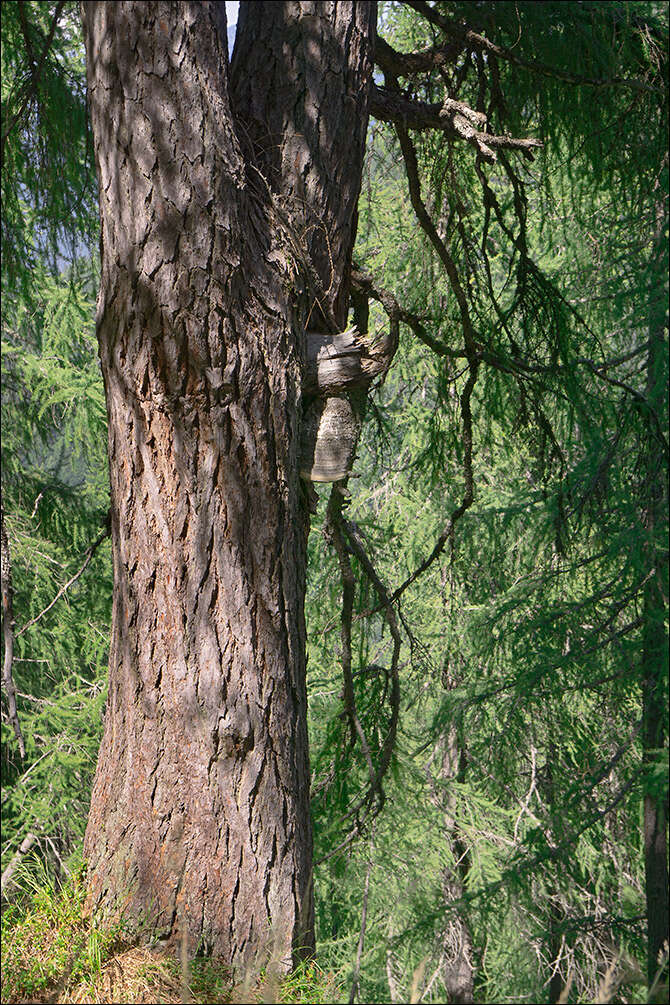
column 337, row 363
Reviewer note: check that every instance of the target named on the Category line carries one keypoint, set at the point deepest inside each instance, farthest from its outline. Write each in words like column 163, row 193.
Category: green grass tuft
column 53, row 952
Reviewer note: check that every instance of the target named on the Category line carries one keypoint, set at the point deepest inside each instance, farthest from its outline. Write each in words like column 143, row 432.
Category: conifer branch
column 337, row 528
column 467, row 38
column 90, row 552
column 452, row 116
column 471, row 347
column 31, row 90
column 334, row 533
column 354, row 537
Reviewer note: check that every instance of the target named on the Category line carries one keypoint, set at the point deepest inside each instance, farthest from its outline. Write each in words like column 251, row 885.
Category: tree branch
column 7, row 876
column 34, row 77
column 355, row 541
column 90, row 552
column 405, row 64
column 470, row 345
column 364, row 283
column 334, row 532
column 337, row 527
column 473, row 40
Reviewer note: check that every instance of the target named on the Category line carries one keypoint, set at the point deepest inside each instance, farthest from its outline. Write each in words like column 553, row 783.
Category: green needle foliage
column 54, row 478
column 526, row 643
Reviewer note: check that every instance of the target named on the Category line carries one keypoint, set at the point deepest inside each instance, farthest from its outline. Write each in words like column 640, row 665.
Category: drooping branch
column 346, row 539
column 8, row 631
column 334, row 532
column 31, row 89
column 355, row 541
column 469, row 39
column 25, row 31
column 470, row 344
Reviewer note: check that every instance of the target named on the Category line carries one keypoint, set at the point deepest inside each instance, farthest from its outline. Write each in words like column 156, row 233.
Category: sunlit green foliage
column 528, row 642
column 54, row 477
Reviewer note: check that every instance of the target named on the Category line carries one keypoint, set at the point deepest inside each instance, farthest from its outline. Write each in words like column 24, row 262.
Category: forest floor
column 141, row 975
column 53, row 953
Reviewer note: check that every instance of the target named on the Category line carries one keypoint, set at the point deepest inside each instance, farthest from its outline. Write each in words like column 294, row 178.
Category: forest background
column 509, row 497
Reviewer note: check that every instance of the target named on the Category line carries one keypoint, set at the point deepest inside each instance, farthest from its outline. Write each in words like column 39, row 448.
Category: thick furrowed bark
column 655, row 638
column 200, row 809
column 310, row 148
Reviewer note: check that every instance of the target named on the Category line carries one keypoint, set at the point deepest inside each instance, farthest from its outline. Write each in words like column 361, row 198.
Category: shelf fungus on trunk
column 339, row 371
column 329, row 437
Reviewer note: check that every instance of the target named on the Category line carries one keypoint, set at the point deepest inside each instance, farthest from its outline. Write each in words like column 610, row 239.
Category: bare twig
column 90, row 552
column 453, row 116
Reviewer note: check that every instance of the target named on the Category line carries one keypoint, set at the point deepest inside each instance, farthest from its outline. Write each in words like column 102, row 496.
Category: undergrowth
column 53, row 952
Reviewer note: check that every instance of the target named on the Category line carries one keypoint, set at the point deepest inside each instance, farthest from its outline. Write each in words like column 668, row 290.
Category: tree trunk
column 655, row 639
column 200, row 809
column 457, row 972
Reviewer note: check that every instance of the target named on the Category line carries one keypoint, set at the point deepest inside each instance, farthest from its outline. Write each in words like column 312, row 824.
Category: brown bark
column 200, row 807
column 309, row 150
column 654, row 632
column 458, row 972
column 301, row 74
